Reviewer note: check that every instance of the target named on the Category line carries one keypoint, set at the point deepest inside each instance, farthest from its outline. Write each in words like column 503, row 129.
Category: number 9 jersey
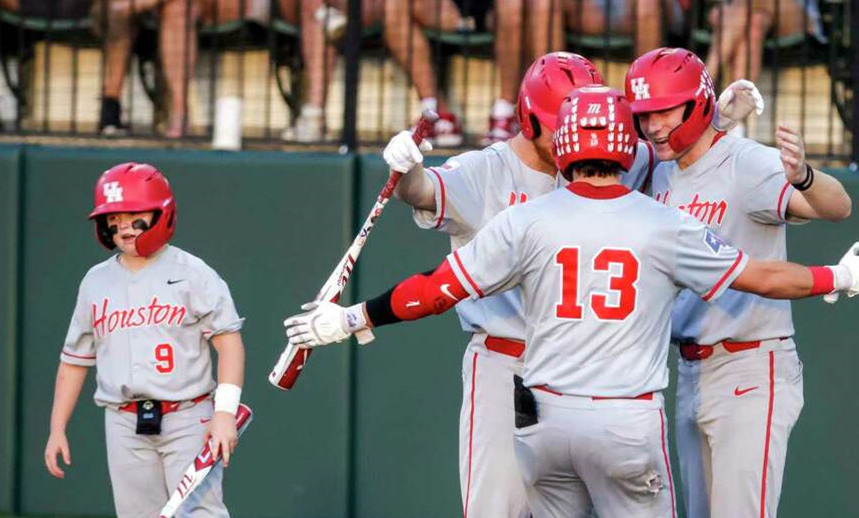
column 148, row 332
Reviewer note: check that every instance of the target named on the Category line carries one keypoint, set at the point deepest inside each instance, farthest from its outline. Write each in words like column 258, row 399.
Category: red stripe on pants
column 767, row 441
column 470, row 433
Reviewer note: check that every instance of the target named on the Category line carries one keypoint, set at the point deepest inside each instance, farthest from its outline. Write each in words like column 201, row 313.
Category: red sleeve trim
column 725, row 277
column 465, row 273
column 443, row 198
column 81, row 357
column 782, row 214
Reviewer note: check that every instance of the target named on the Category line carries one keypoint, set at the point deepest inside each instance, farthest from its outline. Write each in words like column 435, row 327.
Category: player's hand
column 737, row 102
column 789, row 143
column 850, row 262
column 402, row 154
column 57, row 444
column 222, row 436
column 322, row 324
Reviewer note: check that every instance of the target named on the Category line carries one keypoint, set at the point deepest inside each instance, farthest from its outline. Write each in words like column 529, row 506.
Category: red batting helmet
column 132, row 187
column 544, row 86
column 595, row 123
column 666, row 78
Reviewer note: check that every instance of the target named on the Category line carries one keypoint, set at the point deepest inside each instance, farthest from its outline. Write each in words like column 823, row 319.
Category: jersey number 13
column 622, row 284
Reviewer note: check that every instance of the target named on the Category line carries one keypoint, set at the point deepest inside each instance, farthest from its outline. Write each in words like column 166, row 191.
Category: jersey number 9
column 164, row 362
column 623, row 284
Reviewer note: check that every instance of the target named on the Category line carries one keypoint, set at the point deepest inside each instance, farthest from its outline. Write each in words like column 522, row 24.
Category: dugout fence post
column 854, row 79
column 352, row 56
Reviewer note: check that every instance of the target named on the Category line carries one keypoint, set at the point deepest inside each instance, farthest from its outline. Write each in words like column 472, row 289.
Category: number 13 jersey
column 599, row 269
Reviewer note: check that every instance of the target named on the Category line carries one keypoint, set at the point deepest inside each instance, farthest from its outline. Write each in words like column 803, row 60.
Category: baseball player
column 739, row 390
column 461, row 197
column 598, row 267
column 145, row 318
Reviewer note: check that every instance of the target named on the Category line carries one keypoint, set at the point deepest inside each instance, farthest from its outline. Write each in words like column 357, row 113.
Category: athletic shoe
column 500, row 129
column 446, row 132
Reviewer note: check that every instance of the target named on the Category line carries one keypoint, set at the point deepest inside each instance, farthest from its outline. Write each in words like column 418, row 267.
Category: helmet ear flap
column 535, row 126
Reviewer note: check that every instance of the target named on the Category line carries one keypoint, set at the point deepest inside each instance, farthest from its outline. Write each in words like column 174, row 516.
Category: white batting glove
column 401, row 153
column 789, row 143
column 846, row 275
column 736, row 103
column 324, row 323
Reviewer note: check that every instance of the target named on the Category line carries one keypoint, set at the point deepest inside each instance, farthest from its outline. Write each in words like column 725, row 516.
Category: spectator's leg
column 117, row 47
column 178, row 46
column 753, row 48
column 441, row 14
column 729, row 27
column 649, row 26
column 546, row 27
column 508, row 46
column 410, row 48
column 320, row 58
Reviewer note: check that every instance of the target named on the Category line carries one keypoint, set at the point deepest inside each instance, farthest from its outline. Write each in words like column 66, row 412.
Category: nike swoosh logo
column 204, row 457
column 738, row 392
column 413, row 303
column 445, row 288
column 203, row 420
column 174, row 282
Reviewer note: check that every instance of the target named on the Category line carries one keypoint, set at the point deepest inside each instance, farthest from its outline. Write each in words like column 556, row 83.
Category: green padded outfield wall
column 10, row 169
column 369, row 432
column 271, row 224
column 409, row 384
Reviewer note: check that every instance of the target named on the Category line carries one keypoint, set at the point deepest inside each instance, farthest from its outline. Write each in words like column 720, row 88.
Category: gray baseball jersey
column 738, row 189
column 470, row 189
column 599, row 269
column 148, row 332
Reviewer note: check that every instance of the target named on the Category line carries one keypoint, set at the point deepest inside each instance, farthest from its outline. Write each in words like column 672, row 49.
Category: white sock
column 429, row 103
column 502, row 108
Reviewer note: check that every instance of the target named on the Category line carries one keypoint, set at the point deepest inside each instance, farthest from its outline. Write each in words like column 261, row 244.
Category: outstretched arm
column 784, row 280
column 417, row 297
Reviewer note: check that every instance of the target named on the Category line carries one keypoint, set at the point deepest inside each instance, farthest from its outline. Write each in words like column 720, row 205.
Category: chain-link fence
column 353, row 72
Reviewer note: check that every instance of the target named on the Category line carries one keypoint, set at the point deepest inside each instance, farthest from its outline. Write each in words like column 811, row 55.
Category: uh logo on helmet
column 666, row 78
column 132, row 187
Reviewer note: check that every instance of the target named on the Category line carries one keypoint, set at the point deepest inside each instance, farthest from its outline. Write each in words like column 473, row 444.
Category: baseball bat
column 201, row 467
column 293, row 359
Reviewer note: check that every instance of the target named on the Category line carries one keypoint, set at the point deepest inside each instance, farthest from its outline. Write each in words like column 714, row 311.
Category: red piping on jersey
column 81, row 357
column 718, row 285
column 717, row 137
column 470, row 434
column 667, row 462
column 780, row 199
column 598, row 192
column 465, row 273
column 767, row 441
column 441, row 184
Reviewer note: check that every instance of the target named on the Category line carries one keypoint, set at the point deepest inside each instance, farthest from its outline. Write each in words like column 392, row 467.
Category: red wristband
column 823, row 280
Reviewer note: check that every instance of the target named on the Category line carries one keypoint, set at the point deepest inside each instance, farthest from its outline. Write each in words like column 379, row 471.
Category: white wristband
column 227, row 398
column 354, row 319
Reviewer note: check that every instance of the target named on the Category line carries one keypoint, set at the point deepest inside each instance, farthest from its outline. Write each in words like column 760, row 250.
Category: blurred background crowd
column 355, row 71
